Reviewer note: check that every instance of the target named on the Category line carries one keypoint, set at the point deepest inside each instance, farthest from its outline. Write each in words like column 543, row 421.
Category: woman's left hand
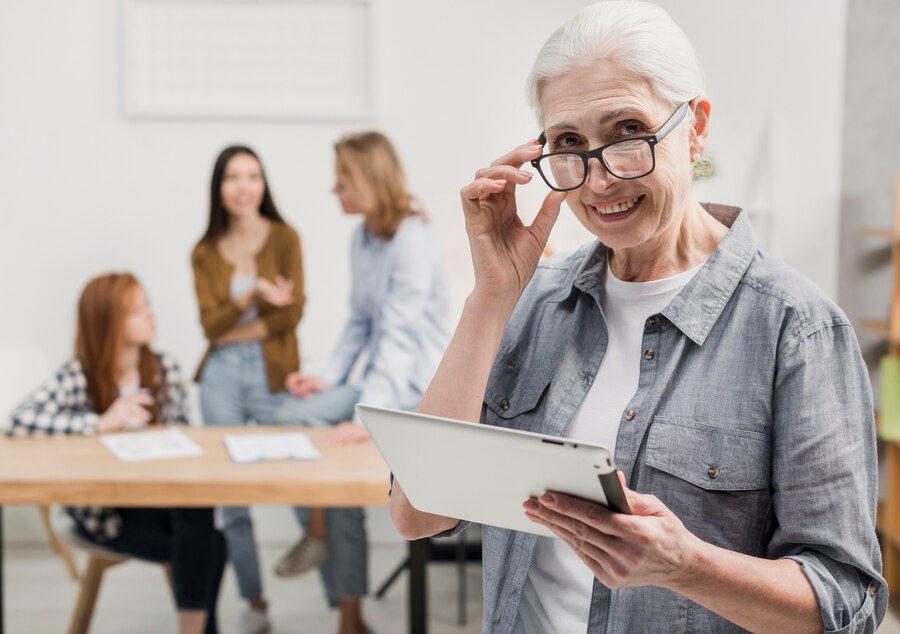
column 279, row 293
column 649, row 547
column 347, row 433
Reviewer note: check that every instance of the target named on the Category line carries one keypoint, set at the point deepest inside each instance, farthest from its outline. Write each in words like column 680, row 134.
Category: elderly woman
column 732, row 391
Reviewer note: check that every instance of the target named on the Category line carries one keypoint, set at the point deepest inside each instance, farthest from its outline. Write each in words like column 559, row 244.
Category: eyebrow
column 609, row 116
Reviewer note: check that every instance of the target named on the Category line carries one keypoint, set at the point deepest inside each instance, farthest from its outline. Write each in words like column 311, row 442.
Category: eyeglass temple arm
column 542, row 139
column 673, row 121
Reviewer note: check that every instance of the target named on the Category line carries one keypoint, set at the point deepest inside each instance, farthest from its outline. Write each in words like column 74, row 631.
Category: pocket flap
column 511, row 392
column 710, row 457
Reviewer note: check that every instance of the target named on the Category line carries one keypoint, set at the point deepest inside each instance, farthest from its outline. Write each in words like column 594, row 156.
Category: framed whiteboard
column 247, row 59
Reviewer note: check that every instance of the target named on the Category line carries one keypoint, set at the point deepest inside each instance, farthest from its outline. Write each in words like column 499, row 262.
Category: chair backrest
column 64, row 526
column 22, row 369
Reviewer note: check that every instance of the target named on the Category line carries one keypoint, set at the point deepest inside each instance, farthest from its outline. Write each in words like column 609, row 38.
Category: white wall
column 85, row 190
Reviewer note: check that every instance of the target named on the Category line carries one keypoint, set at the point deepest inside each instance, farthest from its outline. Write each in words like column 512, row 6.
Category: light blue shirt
column 399, row 314
column 752, row 421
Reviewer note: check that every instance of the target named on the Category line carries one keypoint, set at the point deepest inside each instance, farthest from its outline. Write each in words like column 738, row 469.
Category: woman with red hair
column 117, row 382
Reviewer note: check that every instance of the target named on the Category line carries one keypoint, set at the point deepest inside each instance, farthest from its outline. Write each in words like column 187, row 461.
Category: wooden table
column 81, row 471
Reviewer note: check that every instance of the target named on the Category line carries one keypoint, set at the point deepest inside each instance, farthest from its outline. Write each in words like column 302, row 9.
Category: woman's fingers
column 520, row 155
column 547, row 216
column 481, row 188
column 505, row 172
column 138, row 398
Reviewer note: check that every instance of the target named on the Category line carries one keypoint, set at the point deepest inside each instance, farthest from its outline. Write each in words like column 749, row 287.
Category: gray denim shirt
column 752, row 421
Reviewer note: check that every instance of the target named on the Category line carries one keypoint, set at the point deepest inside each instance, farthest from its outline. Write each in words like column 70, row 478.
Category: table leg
column 418, row 595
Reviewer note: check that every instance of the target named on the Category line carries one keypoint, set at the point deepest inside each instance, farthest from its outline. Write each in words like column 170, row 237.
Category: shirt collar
column 696, row 308
column 370, row 240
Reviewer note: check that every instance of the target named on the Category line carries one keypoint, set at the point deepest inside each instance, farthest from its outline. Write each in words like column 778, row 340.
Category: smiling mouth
column 618, row 208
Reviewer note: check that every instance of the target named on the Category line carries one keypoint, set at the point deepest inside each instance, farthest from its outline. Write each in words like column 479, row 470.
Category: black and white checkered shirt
column 60, row 406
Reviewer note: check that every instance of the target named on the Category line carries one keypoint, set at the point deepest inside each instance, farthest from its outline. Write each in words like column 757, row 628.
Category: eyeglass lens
column 627, row 159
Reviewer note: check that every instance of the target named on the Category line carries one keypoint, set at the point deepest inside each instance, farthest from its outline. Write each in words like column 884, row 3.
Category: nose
column 599, row 178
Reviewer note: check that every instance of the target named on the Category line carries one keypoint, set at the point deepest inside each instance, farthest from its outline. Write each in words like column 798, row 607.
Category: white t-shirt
column 557, row 592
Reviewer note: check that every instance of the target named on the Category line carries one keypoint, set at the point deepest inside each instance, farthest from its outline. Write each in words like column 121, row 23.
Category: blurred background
column 112, row 112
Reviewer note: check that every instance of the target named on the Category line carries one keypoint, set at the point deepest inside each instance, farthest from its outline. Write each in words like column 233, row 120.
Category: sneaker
column 303, row 556
column 253, row 621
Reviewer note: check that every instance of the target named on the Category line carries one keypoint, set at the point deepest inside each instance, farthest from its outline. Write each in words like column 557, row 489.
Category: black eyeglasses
column 627, row 159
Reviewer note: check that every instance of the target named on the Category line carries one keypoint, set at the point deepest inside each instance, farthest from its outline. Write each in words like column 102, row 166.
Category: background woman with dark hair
column 249, row 283
column 116, row 382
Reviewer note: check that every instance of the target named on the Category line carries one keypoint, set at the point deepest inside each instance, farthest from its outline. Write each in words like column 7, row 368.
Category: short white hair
column 639, row 37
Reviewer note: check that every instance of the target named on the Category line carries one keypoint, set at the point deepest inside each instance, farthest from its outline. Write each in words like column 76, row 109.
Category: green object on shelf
column 890, row 398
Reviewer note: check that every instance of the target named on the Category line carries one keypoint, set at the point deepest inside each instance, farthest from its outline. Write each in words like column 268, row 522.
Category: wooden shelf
column 882, row 234
column 880, row 328
column 888, row 512
column 877, row 326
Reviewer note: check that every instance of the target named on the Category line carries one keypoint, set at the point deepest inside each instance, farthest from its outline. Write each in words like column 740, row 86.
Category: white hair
column 639, row 37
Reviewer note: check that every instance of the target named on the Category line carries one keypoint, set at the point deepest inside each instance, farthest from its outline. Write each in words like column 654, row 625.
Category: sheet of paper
column 244, row 448
column 151, row 445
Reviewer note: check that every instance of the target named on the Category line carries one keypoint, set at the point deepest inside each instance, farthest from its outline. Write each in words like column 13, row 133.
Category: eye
column 565, row 142
column 630, row 128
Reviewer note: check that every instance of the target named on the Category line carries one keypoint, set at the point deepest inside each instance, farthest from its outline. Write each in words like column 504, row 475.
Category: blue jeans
column 345, row 573
column 234, row 389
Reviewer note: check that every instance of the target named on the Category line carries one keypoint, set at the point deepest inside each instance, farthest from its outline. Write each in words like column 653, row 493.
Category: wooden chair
column 99, row 560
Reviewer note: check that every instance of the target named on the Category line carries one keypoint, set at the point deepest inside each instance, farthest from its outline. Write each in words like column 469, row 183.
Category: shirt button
column 649, row 354
column 713, row 472
column 630, row 414
column 653, row 320
column 504, row 405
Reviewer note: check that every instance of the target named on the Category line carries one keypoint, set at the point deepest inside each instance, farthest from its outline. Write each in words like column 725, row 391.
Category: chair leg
column 87, row 595
column 383, row 588
column 461, row 580
column 59, row 546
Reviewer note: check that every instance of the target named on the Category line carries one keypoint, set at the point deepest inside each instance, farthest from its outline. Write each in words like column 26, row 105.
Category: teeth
column 614, row 209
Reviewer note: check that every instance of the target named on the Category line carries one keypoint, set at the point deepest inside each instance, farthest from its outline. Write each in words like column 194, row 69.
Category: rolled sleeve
column 58, row 406
column 825, row 475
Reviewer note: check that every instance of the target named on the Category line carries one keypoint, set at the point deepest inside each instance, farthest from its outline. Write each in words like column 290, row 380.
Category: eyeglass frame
column 651, row 139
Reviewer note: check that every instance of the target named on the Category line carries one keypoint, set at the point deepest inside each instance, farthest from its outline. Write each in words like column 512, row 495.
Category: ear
column 701, row 109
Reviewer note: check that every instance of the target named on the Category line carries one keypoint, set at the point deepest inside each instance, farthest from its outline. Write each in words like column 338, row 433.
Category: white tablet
column 482, row 473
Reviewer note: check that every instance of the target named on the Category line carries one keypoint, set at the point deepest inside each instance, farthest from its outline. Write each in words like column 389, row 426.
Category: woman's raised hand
column 279, row 293
column 126, row 412
column 505, row 252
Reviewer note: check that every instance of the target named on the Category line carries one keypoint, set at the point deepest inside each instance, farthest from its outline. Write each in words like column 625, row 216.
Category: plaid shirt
column 61, row 406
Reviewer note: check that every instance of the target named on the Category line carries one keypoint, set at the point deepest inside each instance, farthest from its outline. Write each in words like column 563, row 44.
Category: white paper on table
column 244, row 448
column 151, row 445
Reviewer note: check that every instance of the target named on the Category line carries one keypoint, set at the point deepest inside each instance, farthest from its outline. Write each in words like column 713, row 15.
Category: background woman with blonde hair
column 398, row 320
column 117, row 382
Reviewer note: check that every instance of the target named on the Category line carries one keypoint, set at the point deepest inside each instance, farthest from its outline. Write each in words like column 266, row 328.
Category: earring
column 696, row 158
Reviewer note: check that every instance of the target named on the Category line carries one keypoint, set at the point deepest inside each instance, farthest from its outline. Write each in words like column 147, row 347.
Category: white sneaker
column 303, row 556
column 253, row 621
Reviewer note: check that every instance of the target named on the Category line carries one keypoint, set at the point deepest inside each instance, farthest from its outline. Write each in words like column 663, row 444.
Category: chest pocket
column 514, row 398
column 716, row 480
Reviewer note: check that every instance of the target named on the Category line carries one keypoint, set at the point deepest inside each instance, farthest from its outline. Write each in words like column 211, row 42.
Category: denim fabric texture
column 753, row 423
column 345, row 574
column 234, row 390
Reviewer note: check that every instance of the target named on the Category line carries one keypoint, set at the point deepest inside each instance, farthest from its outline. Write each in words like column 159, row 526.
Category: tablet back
column 482, row 473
